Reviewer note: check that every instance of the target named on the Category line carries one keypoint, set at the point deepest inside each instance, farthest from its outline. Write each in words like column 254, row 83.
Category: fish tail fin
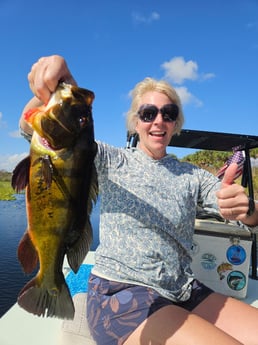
column 27, row 254
column 39, row 300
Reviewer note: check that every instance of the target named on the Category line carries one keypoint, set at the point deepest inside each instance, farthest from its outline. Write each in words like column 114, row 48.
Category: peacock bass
column 61, row 185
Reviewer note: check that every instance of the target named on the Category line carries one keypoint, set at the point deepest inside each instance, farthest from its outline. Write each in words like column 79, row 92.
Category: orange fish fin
column 20, row 176
column 31, row 113
column 54, row 302
column 27, row 254
column 77, row 252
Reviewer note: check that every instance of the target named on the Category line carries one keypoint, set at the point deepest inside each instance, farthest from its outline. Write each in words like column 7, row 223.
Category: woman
column 142, row 290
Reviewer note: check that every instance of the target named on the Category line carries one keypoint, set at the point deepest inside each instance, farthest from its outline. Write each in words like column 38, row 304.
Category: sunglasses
column 148, row 112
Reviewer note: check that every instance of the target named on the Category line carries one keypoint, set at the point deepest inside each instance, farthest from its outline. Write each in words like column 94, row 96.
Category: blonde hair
column 146, row 85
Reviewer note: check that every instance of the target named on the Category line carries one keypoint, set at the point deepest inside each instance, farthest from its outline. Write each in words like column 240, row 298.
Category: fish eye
column 82, row 121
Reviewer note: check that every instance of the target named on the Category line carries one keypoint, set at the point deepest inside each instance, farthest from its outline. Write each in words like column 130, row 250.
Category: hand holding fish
column 44, row 77
column 232, row 199
column 46, row 74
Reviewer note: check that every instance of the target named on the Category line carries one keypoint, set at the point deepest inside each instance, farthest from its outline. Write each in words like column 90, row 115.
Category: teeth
column 45, row 143
column 158, row 133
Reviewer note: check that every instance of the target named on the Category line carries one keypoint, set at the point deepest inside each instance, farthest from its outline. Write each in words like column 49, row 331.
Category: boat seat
column 76, row 331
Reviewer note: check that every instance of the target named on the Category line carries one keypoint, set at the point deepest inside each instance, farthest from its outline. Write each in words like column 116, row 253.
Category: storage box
column 221, row 256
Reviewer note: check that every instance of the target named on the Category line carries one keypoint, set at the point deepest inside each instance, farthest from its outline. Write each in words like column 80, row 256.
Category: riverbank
column 6, row 191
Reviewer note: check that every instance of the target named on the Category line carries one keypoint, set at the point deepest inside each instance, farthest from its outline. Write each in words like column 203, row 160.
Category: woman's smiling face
column 155, row 136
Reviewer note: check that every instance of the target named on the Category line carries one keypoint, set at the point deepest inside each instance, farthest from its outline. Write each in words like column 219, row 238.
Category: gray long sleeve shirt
column 148, row 210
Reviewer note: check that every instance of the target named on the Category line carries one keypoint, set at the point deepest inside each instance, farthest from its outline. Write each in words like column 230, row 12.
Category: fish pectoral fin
column 27, row 254
column 47, row 170
column 20, row 176
column 54, row 302
column 78, row 251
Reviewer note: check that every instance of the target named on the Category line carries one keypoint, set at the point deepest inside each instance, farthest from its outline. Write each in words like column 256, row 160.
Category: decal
column 236, row 254
column 223, row 268
column 208, row 261
column 236, row 280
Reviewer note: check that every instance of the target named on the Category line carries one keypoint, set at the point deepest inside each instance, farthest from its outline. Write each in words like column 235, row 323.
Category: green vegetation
column 6, row 191
column 5, row 176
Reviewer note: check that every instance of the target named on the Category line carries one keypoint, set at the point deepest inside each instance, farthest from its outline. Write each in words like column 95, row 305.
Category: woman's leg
column 173, row 325
column 233, row 316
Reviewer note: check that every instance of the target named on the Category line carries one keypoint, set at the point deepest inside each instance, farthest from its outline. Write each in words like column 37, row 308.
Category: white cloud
column 15, row 134
column 9, row 162
column 178, row 70
column 207, row 76
column 139, row 18
column 187, row 97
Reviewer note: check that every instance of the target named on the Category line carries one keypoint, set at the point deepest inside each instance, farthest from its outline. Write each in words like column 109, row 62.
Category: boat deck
column 18, row 327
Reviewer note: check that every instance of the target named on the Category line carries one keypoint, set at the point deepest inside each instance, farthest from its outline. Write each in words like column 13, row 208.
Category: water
column 12, row 227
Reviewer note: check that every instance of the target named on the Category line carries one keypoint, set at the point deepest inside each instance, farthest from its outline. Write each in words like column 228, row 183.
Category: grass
column 6, row 191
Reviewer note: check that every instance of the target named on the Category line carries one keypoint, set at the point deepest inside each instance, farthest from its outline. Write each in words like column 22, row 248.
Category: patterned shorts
column 115, row 310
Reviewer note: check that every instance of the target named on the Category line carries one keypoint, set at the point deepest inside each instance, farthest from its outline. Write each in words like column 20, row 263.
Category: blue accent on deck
column 79, row 282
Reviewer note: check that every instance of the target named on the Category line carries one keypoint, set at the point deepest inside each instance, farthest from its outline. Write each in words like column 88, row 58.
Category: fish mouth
column 45, row 143
column 47, row 146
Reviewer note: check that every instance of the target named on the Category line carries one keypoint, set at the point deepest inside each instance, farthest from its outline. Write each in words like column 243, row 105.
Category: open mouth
column 159, row 134
column 45, row 143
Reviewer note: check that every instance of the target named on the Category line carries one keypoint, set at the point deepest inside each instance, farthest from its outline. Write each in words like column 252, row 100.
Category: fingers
column 232, row 201
column 229, row 175
column 45, row 75
column 234, row 208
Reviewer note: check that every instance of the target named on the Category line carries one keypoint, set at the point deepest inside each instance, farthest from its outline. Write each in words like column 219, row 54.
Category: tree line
column 5, row 176
column 214, row 160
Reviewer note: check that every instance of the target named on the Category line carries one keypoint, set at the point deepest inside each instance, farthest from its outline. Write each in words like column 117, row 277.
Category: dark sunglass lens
column 148, row 113
column 169, row 112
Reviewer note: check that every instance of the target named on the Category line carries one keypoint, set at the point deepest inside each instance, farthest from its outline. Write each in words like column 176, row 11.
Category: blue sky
column 207, row 49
